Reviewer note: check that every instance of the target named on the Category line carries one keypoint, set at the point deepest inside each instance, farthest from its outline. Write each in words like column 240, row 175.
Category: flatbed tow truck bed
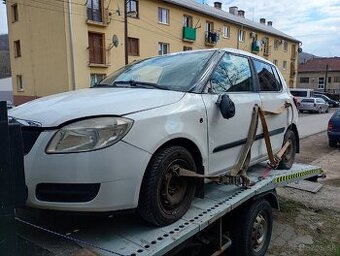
column 128, row 235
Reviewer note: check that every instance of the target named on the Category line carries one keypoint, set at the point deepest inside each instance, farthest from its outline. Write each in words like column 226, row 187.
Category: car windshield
column 175, row 72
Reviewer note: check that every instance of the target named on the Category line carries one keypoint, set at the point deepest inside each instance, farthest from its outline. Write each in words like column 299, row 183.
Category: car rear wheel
column 164, row 196
column 289, row 156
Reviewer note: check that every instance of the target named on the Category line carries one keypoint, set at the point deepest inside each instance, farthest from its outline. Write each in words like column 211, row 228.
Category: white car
column 115, row 146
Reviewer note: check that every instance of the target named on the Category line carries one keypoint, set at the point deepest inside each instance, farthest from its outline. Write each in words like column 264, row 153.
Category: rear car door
column 273, row 96
column 232, row 76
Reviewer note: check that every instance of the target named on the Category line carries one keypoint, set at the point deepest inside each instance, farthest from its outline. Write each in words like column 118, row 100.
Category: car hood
column 54, row 110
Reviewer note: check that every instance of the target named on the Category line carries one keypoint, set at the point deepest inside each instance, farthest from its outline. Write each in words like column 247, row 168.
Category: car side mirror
column 226, row 105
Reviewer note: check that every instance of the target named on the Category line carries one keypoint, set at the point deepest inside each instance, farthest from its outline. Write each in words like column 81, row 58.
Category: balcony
column 189, row 34
column 211, row 38
column 255, row 47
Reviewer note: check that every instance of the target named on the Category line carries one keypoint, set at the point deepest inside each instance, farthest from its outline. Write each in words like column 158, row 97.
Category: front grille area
column 67, row 193
column 29, row 137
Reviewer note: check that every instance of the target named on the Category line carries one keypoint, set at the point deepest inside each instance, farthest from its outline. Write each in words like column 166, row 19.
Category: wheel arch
column 195, row 152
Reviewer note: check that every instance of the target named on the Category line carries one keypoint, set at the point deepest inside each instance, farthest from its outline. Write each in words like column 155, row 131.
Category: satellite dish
column 299, row 50
column 115, row 40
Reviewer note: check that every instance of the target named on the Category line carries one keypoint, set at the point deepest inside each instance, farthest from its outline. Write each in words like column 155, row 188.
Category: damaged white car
column 115, row 146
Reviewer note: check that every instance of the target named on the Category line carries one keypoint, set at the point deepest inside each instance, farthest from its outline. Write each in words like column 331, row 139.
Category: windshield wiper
column 142, row 84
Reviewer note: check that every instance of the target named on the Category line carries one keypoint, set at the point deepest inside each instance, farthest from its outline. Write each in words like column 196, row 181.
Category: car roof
column 231, row 50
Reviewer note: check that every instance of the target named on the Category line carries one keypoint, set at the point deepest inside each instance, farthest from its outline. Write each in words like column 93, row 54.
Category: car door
column 232, row 76
column 273, row 97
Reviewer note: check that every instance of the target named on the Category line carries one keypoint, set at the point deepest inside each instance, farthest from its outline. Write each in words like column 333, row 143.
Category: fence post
column 7, row 222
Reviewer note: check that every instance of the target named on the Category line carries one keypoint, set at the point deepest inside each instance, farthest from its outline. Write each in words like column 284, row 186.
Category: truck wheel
column 289, row 156
column 252, row 229
column 165, row 197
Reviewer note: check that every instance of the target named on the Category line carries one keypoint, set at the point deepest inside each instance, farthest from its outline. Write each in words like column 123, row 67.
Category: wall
column 40, row 29
column 332, row 87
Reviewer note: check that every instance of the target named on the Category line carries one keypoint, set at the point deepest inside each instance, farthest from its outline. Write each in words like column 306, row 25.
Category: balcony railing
column 189, row 34
column 211, row 38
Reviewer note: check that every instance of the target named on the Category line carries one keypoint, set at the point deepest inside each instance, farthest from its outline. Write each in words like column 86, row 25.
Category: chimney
column 270, row 23
column 233, row 10
column 241, row 13
column 218, row 5
column 263, row 21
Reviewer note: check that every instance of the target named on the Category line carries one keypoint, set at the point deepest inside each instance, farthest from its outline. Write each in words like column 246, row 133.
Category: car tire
column 164, row 196
column 301, row 111
column 251, row 229
column 332, row 143
column 288, row 157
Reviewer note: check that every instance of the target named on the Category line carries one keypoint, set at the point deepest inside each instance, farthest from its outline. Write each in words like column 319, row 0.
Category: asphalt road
column 310, row 124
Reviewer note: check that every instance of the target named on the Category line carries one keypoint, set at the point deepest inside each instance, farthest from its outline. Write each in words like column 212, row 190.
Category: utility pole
column 326, row 79
column 126, row 32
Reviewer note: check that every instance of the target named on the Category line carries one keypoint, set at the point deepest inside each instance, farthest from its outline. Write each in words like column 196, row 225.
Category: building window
column 304, row 80
column 241, row 35
column 20, row 85
column 133, row 46
column 187, row 21
column 209, row 26
column 275, row 62
column 96, row 78
column 187, row 48
column 321, row 82
column 96, row 48
column 17, row 49
column 284, row 65
column 163, row 16
column 226, row 32
column 276, row 44
column 163, row 48
column 15, row 16
column 336, row 79
column 94, row 10
column 285, row 46
column 329, row 79
column 132, row 8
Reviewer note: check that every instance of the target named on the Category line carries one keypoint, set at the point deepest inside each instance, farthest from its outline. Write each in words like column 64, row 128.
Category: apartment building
column 60, row 45
column 320, row 74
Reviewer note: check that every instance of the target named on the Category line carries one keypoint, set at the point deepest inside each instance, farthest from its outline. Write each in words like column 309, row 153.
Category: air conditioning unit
column 252, row 34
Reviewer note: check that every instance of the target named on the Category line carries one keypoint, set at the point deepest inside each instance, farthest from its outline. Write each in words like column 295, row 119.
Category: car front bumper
column 115, row 173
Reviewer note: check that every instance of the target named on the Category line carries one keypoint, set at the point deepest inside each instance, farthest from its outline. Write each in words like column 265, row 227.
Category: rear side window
column 320, row 101
column 308, row 101
column 232, row 74
column 299, row 93
column 268, row 78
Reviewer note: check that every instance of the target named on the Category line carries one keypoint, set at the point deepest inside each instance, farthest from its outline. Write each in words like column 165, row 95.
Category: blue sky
column 314, row 22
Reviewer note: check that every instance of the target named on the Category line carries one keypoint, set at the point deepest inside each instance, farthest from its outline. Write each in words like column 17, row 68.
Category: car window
column 232, row 74
column 307, row 100
column 267, row 78
column 320, row 101
column 299, row 93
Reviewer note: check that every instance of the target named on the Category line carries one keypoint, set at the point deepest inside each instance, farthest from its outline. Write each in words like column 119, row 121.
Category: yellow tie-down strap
column 297, row 175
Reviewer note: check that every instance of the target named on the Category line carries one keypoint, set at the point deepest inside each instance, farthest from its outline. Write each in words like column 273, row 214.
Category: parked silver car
column 315, row 105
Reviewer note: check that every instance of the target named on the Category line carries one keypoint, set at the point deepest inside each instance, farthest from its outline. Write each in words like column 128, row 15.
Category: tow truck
column 230, row 220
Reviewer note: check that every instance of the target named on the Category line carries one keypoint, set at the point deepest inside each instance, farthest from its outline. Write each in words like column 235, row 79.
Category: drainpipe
column 126, row 32
column 71, row 44
column 325, row 87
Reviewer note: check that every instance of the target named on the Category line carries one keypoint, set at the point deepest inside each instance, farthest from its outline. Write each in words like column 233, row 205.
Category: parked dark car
column 333, row 130
column 331, row 103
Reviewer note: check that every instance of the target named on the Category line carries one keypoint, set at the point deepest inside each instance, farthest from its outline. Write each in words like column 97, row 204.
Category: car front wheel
column 165, row 197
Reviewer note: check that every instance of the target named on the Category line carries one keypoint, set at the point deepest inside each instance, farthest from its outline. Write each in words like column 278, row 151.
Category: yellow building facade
column 58, row 46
